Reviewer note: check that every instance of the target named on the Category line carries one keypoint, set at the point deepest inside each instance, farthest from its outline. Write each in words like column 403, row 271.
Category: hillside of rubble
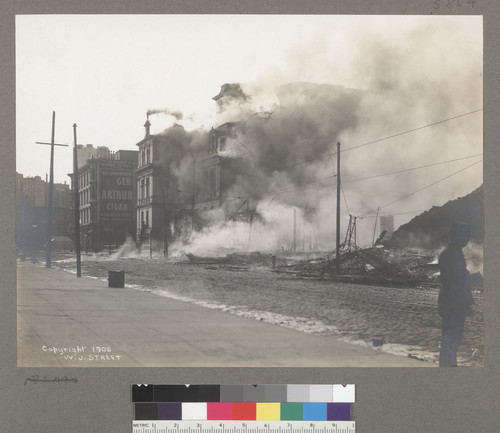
column 430, row 229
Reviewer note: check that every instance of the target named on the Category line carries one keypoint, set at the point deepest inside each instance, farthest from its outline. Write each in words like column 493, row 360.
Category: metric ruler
column 243, row 427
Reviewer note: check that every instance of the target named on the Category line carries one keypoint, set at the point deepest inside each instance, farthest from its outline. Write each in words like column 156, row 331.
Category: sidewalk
column 81, row 322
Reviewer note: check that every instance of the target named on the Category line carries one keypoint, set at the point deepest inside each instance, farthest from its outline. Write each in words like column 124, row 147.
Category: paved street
column 69, row 321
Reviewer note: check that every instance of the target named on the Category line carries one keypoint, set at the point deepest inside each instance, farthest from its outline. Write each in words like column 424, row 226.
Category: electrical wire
column 411, row 169
column 324, row 155
column 345, row 200
column 425, row 187
column 412, row 130
column 360, row 179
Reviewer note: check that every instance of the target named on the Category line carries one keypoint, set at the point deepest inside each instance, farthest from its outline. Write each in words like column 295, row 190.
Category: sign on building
column 117, row 197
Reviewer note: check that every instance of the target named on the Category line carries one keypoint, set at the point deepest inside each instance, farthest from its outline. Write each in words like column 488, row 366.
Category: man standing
column 455, row 298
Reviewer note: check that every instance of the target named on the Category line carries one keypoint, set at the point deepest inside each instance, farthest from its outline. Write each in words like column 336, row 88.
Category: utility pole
column 23, row 236
column 48, row 260
column 252, row 212
column 375, row 227
column 337, row 255
column 165, row 227
column 77, row 207
column 294, row 229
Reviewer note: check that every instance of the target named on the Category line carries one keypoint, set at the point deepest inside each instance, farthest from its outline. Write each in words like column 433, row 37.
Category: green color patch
column 292, row 411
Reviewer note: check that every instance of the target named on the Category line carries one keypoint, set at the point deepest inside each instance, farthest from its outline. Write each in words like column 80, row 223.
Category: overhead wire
column 298, row 187
column 427, row 186
column 324, row 155
column 411, row 169
column 412, row 130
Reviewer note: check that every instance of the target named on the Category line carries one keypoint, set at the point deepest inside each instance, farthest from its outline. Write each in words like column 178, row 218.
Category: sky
column 104, row 72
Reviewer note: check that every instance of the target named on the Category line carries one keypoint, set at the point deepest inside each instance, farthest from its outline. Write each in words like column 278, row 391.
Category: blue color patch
column 314, row 411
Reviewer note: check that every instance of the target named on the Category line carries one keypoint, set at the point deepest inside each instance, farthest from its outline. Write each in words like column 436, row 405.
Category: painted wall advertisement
column 117, row 196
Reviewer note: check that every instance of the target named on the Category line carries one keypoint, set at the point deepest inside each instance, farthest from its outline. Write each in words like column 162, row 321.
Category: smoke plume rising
column 281, row 154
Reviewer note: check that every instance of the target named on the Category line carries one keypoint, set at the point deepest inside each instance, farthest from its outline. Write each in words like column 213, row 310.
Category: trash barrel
column 116, row 278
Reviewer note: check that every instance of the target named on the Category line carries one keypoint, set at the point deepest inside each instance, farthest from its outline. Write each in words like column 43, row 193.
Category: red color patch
column 245, row 411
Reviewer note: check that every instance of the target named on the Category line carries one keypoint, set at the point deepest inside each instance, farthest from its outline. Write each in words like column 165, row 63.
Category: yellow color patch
column 268, row 411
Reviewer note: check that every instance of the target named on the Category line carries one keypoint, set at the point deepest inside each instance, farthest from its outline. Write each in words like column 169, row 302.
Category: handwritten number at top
column 453, row 3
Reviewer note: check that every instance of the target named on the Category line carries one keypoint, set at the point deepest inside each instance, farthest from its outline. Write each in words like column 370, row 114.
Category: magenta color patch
column 219, row 411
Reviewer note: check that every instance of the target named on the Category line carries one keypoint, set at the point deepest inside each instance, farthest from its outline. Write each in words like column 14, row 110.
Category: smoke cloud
column 178, row 115
column 281, row 154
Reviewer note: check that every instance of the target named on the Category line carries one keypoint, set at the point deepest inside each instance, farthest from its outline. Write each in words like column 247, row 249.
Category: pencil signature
column 36, row 378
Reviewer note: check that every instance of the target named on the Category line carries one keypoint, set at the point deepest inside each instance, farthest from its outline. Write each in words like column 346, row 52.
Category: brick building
column 107, row 195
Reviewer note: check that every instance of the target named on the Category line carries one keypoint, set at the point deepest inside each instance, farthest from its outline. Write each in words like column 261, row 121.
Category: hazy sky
column 103, row 72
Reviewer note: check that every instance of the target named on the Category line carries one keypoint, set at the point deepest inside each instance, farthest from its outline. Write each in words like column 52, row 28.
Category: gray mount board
column 387, row 400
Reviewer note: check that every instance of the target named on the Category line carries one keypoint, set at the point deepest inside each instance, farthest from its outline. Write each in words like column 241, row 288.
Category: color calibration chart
column 243, row 408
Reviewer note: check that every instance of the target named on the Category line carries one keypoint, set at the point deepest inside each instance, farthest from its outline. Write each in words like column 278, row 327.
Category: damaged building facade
column 160, row 201
column 169, row 207
column 216, row 169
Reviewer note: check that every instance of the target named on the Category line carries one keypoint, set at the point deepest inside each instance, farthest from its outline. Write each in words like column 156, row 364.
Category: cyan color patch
column 314, row 411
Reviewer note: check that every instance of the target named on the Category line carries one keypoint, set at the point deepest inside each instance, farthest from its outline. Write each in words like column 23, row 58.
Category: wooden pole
column 48, row 247
column 294, row 230
column 48, row 257
column 23, row 233
column 165, row 227
column 77, row 207
column 375, row 227
column 337, row 258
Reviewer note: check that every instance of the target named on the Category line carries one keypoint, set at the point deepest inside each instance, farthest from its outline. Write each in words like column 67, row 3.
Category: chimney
column 147, row 125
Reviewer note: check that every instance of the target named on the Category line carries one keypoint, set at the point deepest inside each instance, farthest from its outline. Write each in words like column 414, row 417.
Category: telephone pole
column 23, row 236
column 77, row 207
column 337, row 255
column 294, row 229
column 165, row 227
column 48, row 259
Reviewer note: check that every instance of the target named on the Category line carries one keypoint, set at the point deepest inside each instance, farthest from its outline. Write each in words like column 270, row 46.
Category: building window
column 212, row 143
column 222, row 145
column 212, row 182
column 147, row 218
column 142, row 188
column 148, row 155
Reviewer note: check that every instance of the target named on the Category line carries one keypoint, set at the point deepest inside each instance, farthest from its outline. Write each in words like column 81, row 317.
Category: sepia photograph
column 249, row 190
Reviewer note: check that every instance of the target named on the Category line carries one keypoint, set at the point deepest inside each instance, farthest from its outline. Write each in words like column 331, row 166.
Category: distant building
column 387, row 223
column 107, row 195
column 88, row 151
column 33, row 213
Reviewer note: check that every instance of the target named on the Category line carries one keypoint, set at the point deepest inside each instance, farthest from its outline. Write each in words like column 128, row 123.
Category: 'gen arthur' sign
column 116, row 194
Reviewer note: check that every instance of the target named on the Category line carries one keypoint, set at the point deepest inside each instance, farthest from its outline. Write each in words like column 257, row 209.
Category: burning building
column 245, row 170
column 165, row 187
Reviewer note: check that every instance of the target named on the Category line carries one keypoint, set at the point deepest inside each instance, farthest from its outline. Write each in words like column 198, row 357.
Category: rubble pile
column 378, row 265
column 238, row 259
column 429, row 230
